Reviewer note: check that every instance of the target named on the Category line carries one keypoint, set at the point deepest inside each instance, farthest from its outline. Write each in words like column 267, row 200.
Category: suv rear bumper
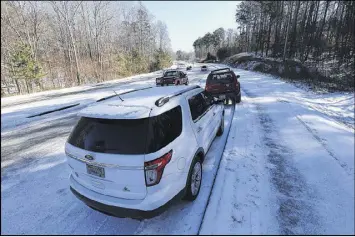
column 166, row 82
column 136, row 209
column 125, row 212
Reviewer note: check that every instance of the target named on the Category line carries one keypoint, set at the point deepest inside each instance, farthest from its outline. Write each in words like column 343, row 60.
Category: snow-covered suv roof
column 136, row 104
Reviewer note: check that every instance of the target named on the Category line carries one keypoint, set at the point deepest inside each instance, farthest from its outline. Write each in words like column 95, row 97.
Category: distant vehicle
column 172, row 77
column 203, row 68
column 223, row 83
column 181, row 65
column 188, row 68
column 134, row 156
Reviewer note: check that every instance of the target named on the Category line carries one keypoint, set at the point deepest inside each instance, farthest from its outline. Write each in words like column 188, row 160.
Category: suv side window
column 164, row 129
column 208, row 98
column 197, row 106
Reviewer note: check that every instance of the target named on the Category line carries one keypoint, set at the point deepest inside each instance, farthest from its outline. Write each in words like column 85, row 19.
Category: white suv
column 132, row 155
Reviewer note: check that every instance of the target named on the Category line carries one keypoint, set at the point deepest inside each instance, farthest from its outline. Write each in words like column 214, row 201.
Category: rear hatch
column 170, row 76
column 107, row 156
column 219, row 83
column 169, row 80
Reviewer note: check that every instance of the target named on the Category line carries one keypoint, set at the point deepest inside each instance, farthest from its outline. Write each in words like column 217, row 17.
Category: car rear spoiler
column 221, row 69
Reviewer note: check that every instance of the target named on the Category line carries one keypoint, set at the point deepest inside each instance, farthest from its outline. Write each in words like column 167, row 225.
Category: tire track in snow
column 321, row 141
column 238, row 202
column 294, row 214
column 214, row 178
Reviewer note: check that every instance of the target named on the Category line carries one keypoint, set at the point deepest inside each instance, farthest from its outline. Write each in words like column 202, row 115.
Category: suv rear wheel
column 194, row 180
column 238, row 98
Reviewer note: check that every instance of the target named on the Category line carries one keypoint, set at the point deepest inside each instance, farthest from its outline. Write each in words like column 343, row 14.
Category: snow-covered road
column 287, row 168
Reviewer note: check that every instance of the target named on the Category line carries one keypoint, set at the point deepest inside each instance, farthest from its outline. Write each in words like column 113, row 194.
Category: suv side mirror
column 238, row 76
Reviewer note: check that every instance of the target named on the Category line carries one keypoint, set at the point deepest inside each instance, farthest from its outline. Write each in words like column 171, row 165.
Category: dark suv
column 175, row 77
column 223, row 83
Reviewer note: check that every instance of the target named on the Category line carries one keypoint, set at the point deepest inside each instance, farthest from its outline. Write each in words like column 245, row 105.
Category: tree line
column 56, row 44
column 184, row 56
column 317, row 33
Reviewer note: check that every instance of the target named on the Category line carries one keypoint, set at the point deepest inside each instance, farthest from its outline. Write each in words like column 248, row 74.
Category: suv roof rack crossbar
column 221, row 69
column 123, row 93
column 163, row 100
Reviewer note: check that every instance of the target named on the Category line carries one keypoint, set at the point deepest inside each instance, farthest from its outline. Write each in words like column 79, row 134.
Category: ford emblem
column 89, row 157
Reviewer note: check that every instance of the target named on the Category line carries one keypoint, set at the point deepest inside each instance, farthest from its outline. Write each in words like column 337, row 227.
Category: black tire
column 238, row 98
column 187, row 82
column 221, row 127
column 188, row 193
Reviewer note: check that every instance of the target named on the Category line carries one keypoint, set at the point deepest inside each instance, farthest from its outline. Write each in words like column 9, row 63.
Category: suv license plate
column 222, row 97
column 95, row 170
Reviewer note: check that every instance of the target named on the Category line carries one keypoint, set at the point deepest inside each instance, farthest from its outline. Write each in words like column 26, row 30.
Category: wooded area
column 57, row 44
column 319, row 34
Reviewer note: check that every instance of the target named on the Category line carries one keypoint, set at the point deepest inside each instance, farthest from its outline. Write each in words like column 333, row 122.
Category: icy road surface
column 287, row 166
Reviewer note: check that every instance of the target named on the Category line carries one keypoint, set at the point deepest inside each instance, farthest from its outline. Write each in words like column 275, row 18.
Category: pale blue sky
column 187, row 20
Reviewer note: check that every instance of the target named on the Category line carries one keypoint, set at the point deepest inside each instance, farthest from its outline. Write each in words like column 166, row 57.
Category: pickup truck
column 172, row 77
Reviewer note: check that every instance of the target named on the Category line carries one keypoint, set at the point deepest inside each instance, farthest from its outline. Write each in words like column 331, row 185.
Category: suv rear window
column 197, row 106
column 127, row 136
column 220, row 78
column 164, row 129
column 170, row 74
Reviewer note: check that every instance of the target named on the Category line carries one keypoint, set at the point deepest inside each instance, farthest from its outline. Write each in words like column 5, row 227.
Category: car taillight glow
column 154, row 169
column 207, row 87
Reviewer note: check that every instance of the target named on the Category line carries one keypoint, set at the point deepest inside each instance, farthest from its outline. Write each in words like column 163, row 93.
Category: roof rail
column 163, row 100
column 221, row 69
column 126, row 92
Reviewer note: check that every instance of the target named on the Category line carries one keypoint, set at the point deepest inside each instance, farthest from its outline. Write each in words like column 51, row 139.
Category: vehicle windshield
column 170, row 74
column 203, row 66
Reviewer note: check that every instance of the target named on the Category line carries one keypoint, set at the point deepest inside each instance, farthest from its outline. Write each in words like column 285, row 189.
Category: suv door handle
column 214, row 113
column 199, row 129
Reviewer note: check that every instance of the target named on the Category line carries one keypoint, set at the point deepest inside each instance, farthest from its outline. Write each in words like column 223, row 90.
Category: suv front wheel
column 194, row 180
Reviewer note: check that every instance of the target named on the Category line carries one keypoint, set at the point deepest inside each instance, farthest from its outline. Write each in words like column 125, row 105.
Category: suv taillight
column 207, row 87
column 154, row 169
